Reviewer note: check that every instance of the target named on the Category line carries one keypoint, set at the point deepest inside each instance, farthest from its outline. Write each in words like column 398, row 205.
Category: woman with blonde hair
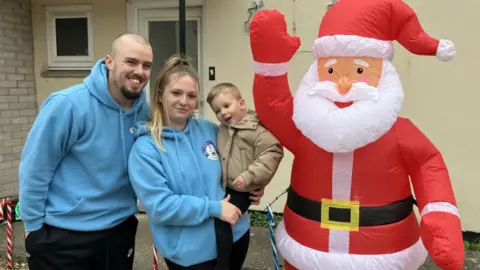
column 176, row 173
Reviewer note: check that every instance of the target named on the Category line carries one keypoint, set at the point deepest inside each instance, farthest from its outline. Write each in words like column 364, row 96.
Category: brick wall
column 18, row 106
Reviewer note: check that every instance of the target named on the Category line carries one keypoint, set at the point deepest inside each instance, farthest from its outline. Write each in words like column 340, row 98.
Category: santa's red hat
column 368, row 27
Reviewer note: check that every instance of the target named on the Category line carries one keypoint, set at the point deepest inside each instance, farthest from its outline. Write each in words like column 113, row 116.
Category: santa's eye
column 330, row 70
column 359, row 70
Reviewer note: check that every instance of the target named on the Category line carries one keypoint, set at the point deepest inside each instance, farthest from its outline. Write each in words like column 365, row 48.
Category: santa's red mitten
column 441, row 234
column 269, row 40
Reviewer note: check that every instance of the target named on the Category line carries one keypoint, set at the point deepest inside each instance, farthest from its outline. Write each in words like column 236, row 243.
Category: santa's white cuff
column 272, row 70
column 446, row 50
column 440, row 207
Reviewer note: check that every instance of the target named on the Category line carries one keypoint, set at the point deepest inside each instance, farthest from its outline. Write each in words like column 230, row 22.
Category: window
column 69, row 37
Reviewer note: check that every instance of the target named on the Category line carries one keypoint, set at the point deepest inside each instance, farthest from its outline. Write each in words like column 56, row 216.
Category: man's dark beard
column 129, row 94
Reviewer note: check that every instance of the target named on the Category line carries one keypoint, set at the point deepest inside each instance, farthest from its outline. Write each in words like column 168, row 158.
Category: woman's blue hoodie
column 180, row 189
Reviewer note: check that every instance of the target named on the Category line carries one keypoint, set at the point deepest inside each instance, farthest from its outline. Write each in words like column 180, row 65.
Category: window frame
column 68, row 62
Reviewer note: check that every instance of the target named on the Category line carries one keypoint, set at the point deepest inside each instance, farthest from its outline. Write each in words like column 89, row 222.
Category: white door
column 161, row 27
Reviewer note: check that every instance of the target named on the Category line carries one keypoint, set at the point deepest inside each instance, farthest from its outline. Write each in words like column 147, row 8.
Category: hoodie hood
column 170, row 134
column 143, row 128
column 97, row 85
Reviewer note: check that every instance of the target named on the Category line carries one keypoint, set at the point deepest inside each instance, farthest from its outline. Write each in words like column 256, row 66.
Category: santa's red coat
column 375, row 175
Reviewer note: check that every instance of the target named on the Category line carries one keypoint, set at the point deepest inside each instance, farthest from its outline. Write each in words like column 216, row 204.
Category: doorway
column 161, row 26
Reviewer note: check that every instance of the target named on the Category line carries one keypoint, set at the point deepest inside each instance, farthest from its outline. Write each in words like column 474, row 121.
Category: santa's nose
column 343, row 85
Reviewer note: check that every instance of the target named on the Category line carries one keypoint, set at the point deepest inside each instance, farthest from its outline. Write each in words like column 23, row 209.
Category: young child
column 250, row 157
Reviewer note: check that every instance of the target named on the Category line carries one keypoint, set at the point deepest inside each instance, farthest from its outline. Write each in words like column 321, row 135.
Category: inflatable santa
column 350, row 202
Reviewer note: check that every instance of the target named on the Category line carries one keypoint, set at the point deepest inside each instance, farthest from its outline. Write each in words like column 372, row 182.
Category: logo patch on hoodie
column 208, row 149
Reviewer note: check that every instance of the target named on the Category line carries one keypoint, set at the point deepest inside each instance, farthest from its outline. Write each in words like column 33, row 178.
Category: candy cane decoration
column 1, row 210
column 155, row 259
column 9, row 229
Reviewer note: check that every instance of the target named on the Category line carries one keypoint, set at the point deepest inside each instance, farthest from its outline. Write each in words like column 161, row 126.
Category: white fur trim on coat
column 349, row 45
column 272, row 70
column 303, row 258
column 446, row 50
column 440, row 207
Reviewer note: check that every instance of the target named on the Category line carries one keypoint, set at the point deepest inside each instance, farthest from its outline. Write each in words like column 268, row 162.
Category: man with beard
column 350, row 205
column 76, row 200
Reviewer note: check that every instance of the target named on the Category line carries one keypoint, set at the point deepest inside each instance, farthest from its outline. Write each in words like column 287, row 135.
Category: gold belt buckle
column 353, row 206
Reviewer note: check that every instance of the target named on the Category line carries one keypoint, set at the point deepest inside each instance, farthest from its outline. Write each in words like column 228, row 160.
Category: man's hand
column 257, row 195
column 230, row 213
column 26, row 234
column 269, row 40
column 239, row 182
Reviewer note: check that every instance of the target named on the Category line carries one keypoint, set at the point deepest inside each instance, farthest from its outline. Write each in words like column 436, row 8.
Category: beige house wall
column 439, row 96
column 109, row 18
column 17, row 89
column 440, row 100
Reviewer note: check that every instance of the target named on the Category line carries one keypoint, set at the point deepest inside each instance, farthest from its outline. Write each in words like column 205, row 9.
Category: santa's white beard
column 341, row 130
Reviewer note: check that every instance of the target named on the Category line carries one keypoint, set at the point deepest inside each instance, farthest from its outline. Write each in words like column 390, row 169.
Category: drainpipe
column 181, row 16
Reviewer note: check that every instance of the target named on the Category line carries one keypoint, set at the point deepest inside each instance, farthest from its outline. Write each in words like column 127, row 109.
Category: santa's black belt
column 348, row 215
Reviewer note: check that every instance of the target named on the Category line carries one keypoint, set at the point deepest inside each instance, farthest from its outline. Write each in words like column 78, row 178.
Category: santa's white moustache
column 359, row 91
column 341, row 130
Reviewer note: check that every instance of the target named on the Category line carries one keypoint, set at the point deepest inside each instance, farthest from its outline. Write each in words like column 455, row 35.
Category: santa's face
column 344, row 103
column 343, row 78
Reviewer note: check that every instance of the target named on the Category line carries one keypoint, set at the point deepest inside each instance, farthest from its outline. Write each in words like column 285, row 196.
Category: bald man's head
column 125, row 39
column 129, row 65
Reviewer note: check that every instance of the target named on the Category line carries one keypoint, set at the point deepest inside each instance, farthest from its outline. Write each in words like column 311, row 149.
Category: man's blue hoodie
column 181, row 190
column 73, row 170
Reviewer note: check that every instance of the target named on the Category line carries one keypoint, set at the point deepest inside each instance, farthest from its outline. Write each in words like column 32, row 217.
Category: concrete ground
column 259, row 256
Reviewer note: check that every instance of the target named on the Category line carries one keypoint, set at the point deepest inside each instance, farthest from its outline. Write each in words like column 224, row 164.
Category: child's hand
column 257, row 195
column 239, row 182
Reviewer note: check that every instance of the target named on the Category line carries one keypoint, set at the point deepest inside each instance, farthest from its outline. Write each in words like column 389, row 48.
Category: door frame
column 196, row 16
column 133, row 9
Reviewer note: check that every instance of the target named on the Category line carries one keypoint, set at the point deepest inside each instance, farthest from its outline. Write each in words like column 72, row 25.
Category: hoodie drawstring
column 178, row 156
column 194, row 128
column 122, row 134
column 123, row 141
column 179, row 160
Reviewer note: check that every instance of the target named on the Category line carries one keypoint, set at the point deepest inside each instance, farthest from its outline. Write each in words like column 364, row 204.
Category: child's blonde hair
column 223, row 88
column 175, row 68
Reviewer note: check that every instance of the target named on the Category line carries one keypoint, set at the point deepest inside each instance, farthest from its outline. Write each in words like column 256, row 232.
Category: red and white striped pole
column 155, row 259
column 9, row 229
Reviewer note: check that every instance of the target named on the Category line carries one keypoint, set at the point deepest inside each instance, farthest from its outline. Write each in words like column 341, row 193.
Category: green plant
column 472, row 246
column 259, row 218
column 331, row 5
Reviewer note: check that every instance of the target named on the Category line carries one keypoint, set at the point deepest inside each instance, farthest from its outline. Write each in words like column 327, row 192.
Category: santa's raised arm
column 350, row 204
column 271, row 90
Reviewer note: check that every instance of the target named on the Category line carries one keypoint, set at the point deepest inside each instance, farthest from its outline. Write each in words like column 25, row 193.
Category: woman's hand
column 230, row 213
column 257, row 195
